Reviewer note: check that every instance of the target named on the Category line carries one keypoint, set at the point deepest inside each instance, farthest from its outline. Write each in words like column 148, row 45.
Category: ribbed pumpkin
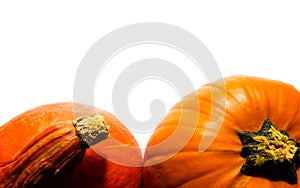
column 238, row 132
column 42, row 146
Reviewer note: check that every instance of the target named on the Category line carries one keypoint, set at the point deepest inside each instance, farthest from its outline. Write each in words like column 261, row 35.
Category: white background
column 43, row 43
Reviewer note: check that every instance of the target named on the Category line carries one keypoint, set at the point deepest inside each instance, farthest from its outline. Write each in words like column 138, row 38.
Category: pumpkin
column 43, row 146
column 240, row 131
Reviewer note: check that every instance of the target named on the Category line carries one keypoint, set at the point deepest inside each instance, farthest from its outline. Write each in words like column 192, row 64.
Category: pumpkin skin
column 243, row 106
column 41, row 131
column 114, row 162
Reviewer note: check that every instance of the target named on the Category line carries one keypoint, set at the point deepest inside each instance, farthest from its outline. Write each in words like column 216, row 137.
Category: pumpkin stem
column 91, row 129
column 270, row 153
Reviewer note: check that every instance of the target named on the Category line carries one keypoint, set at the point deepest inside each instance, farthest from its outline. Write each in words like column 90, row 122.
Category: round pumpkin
column 236, row 132
column 43, row 146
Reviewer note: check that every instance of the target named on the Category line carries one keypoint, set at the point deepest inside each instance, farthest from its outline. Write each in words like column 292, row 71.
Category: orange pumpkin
column 237, row 132
column 43, row 146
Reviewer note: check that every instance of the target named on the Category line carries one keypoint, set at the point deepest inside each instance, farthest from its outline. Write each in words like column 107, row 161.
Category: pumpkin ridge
column 27, row 159
column 33, row 143
column 61, row 162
